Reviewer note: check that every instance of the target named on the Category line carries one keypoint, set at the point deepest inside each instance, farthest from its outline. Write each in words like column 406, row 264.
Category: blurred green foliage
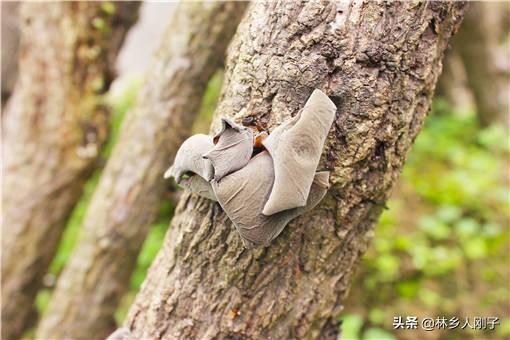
column 442, row 246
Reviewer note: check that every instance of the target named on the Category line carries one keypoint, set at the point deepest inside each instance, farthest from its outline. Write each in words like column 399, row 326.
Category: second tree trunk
column 54, row 127
column 131, row 188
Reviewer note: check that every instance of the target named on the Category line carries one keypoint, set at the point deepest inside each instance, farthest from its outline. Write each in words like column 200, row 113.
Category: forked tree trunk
column 53, row 128
column 480, row 45
column 379, row 62
column 128, row 196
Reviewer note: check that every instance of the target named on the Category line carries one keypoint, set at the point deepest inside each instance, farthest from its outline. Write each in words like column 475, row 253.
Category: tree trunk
column 479, row 42
column 379, row 62
column 54, row 127
column 128, row 196
column 10, row 45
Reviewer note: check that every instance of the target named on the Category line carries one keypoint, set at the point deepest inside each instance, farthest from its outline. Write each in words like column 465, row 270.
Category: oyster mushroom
column 296, row 147
column 232, row 150
column 190, row 169
column 243, row 194
column 189, row 159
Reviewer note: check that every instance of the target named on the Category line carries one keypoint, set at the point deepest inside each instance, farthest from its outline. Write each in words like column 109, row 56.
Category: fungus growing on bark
column 261, row 191
column 189, row 159
column 232, row 150
column 199, row 186
column 242, row 196
column 190, row 170
column 296, row 148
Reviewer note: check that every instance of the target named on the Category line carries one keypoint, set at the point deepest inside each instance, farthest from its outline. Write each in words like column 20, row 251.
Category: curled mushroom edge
column 190, row 170
column 189, row 158
column 296, row 149
column 261, row 181
column 232, row 150
column 253, row 184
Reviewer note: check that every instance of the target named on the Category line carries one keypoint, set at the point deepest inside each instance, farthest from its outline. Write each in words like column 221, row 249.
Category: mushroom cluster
column 260, row 190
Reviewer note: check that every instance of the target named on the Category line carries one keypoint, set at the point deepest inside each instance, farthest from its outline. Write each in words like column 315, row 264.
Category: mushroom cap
column 260, row 195
column 199, row 186
column 296, row 147
column 232, row 150
column 243, row 194
column 189, row 162
column 189, row 158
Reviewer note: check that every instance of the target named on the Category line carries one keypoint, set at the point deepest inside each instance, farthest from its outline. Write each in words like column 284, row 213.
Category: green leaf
column 351, row 326
column 449, row 213
column 388, row 266
column 377, row 316
column 467, row 228
column 408, row 289
column 475, row 248
column 434, row 227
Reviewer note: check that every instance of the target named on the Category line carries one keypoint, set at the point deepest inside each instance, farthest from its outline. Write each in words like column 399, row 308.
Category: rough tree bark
column 379, row 62
column 128, row 196
column 54, row 127
column 479, row 43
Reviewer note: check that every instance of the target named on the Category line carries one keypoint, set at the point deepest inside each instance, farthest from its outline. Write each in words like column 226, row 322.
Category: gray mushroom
column 233, row 149
column 243, row 194
column 189, row 158
column 260, row 195
column 296, row 147
column 199, row 186
column 190, row 169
